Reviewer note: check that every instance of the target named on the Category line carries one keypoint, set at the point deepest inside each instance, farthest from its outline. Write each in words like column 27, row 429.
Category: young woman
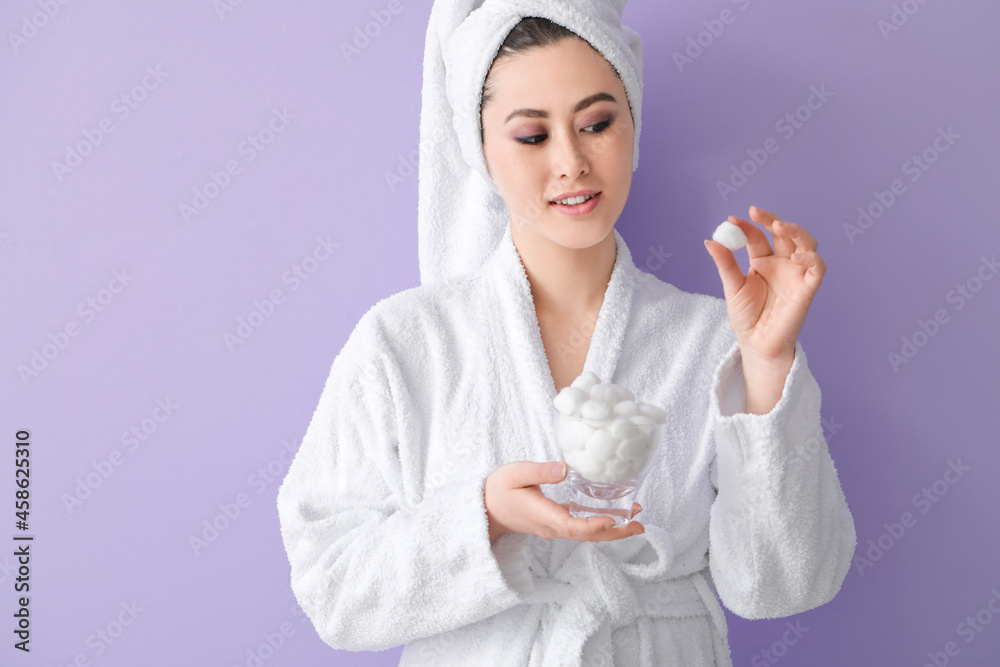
column 423, row 506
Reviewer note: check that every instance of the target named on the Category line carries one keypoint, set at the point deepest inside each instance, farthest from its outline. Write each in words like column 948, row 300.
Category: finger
column 618, row 532
column 557, row 521
column 757, row 243
column 814, row 265
column 565, row 525
column 787, row 234
column 589, row 528
column 636, row 508
column 528, row 473
column 783, row 245
column 625, row 520
column 729, row 271
column 584, row 528
column 802, row 239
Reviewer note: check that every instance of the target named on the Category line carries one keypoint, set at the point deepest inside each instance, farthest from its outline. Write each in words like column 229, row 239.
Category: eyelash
column 524, row 140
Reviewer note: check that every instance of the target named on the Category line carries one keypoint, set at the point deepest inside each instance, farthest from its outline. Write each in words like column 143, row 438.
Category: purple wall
column 127, row 305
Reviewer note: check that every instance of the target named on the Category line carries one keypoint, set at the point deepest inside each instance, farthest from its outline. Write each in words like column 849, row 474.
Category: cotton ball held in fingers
column 730, row 236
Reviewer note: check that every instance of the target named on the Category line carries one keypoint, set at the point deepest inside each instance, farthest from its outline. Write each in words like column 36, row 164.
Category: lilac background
column 243, row 411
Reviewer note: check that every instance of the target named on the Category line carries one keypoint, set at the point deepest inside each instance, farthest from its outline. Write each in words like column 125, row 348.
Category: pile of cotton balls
column 604, row 433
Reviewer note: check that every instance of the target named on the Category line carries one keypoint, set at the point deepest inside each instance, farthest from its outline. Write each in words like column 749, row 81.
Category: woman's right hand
column 515, row 504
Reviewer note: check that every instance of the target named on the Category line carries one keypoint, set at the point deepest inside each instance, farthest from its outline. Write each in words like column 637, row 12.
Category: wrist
column 495, row 530
column 493, row 527
column 756, row 359
column 764, row 379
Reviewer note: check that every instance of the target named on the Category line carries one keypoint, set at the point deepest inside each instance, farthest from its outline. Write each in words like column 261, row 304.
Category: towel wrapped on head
column 461, row 215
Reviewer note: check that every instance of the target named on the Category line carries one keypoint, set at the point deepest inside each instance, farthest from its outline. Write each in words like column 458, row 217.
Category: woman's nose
column 570, row 159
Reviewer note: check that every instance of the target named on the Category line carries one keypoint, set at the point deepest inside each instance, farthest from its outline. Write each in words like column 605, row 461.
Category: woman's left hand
column 768, row 306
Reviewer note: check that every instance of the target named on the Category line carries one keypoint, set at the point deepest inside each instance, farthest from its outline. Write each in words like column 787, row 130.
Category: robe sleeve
column 781, row 536
column 371, row 570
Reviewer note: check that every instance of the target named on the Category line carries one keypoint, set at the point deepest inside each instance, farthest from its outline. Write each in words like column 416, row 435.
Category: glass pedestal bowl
column 607, row 461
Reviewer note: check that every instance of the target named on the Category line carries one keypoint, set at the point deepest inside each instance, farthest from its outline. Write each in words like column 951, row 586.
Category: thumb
column 520, row 474
column 729, row 271
column 552, row 472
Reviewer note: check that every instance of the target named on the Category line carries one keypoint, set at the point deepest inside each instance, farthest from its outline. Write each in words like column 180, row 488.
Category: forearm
column 764, row 380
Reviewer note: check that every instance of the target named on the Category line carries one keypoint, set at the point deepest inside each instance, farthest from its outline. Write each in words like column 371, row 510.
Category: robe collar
column 520, row 324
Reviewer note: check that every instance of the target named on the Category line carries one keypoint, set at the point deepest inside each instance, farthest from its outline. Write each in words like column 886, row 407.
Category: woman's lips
column 580, row 209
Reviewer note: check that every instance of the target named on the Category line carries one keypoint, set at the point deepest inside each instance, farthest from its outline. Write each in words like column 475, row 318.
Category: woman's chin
column 581, row 233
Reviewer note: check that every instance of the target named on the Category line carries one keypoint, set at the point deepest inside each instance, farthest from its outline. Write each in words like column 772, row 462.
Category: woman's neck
column 566, row 281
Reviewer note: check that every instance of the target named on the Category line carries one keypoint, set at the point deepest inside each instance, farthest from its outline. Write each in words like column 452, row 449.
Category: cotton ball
column 594, row 409
column 572, row 458
column 583, row 464
column 625, row 409
column 574, row 433
column 604, row 392
column 634, row 449
column 623, row 393
column 607, row 477
column 653, row 412
column 622, row 428
column 624, row 471
column 644, row 424
column 569, row 400
column 619, row 468
column 730, row 236
column 585, row 381
column 601, row 445
column 587, row 466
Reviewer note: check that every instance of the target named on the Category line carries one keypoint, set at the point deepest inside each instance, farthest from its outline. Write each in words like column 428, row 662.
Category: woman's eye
column 604, row 124
column 538, row 138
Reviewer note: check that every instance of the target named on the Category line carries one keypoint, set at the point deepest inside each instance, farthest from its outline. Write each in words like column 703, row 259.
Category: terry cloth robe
column 382, row 510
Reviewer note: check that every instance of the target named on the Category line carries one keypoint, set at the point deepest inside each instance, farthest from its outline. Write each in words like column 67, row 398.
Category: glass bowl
column 607, row 461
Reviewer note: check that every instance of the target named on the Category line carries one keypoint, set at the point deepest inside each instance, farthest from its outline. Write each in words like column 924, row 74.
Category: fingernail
column 559, row 469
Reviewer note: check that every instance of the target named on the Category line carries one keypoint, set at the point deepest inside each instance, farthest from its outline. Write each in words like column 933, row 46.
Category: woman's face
column 553, row 148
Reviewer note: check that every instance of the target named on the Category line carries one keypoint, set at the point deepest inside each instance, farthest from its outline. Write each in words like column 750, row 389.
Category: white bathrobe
column 382, row 512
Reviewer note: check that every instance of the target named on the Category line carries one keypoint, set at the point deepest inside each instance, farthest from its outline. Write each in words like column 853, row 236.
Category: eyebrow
column 580, row 106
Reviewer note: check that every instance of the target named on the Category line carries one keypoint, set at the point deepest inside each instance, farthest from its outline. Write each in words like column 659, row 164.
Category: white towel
column 461, row 215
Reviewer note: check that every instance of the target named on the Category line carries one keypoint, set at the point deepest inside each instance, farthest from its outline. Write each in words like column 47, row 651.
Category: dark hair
column 530, row 32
